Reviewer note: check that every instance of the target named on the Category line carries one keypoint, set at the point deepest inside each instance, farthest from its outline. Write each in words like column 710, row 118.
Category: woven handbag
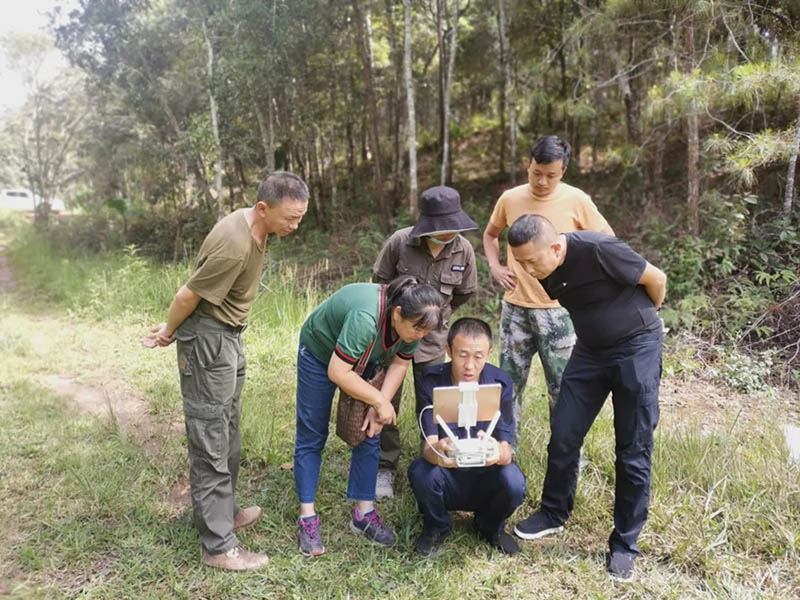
column 351, row 412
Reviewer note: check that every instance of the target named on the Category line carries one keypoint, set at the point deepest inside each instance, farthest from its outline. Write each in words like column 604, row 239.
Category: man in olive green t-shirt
column 207, row 317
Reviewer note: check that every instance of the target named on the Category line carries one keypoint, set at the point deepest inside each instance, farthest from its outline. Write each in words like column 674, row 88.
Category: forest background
column 683, row 116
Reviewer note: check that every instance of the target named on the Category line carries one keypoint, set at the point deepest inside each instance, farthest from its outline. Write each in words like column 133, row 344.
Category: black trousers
column 492, row 493
column 631, row 371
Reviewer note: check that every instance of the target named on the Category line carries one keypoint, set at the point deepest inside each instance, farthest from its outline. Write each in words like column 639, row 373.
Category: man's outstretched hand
column 158, row 337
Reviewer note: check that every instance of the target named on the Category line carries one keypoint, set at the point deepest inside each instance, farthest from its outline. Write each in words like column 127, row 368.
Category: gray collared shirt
column 452, row 272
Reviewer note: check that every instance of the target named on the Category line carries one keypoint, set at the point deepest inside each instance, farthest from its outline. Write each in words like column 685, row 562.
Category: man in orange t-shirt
column 531, row 322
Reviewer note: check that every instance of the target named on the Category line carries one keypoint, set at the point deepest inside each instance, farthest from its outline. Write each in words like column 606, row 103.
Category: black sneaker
column 430, row 542
column 536, row 526
column 501, row 540
column 372, row 527
column 620, row 566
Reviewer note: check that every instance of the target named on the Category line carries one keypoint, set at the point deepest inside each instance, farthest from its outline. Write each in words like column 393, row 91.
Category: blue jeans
column 314, row 398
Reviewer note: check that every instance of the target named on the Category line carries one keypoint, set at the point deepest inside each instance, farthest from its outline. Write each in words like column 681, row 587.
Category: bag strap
column 382, row 310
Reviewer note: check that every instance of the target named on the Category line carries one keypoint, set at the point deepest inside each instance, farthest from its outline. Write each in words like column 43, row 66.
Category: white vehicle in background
column 23, row 200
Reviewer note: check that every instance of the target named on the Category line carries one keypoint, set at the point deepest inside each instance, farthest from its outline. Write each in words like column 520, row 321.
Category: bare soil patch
column 706, row 405
column 130, row 414
column 179, row 497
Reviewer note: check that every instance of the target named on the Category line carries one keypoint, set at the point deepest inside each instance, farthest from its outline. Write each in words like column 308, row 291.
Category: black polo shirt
column 598, row 284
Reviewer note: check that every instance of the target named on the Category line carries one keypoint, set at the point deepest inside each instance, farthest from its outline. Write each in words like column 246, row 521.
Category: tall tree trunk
column 231, row 192
column 502, row 43
column 441, row 72
column 658, row 163
column 265, row 127
column 693, row 143
column 242, row 177
column 692, row 169
column 508, row 104
column 788, row 195
column 413, row 203
column 394, row 101
column 512, row 130
column 332, row 149
column 214, row 123
column 317, row 177
column 351, row 161
column 364, row 46
column 447, row 87
column 631, row 98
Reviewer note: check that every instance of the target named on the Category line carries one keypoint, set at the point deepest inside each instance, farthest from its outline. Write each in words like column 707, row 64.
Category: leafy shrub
column 745, row 373
column 733, row 283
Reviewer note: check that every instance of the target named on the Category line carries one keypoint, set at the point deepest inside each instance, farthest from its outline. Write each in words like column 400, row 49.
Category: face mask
column 440, row 242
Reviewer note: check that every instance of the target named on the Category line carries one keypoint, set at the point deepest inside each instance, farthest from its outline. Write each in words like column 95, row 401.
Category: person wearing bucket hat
column 435, row 252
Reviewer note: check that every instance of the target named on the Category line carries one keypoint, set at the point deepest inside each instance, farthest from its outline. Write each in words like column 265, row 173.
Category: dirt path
column 131, row 413
column 107, row 398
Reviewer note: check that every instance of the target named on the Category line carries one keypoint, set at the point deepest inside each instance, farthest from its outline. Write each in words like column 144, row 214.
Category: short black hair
column 280, row 185
column 529, row 228
column 549, row 149
column 470, row 327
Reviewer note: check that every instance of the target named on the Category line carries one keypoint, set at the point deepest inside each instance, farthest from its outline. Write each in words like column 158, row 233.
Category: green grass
column 85, row 507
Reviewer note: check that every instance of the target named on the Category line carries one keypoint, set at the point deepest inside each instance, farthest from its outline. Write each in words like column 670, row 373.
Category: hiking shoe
column 384, row 486
column 235, row 559
column 502, row 541
column 246, row 517
column 430, row 541
column 309, row 535
column 536, row 526
column 620, row 566
column 372, row 527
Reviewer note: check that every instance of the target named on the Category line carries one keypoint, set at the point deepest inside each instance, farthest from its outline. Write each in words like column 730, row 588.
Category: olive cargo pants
column 212, row 371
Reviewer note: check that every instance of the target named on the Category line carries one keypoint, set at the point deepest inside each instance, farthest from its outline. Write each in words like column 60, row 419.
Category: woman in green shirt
column 388, row 319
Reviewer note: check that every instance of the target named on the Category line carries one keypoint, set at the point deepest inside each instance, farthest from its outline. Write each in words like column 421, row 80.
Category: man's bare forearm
column 183, row 305
column 491, row 248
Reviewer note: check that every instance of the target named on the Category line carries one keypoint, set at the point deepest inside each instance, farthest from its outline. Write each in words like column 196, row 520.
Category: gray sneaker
column 384, row 486
column 309, row 534
column 372, row 527
column 621, row 566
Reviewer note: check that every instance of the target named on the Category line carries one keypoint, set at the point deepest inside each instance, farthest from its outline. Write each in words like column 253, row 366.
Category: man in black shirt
column 612, row 295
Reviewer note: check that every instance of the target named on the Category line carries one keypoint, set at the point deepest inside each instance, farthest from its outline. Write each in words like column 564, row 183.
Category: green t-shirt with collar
column 347, row 322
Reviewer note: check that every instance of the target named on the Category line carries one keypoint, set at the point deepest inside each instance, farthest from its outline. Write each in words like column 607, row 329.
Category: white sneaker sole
column 538, row 534
column 620, row 579
column 312, row 554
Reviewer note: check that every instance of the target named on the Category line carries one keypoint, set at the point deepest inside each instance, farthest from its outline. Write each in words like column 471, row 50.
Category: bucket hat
column 440, row 212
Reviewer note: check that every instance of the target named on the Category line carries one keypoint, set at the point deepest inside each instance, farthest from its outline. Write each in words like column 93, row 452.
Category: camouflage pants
column 523, row 333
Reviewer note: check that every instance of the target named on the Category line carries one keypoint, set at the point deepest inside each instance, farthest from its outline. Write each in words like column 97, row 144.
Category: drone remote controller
column 473, row 452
